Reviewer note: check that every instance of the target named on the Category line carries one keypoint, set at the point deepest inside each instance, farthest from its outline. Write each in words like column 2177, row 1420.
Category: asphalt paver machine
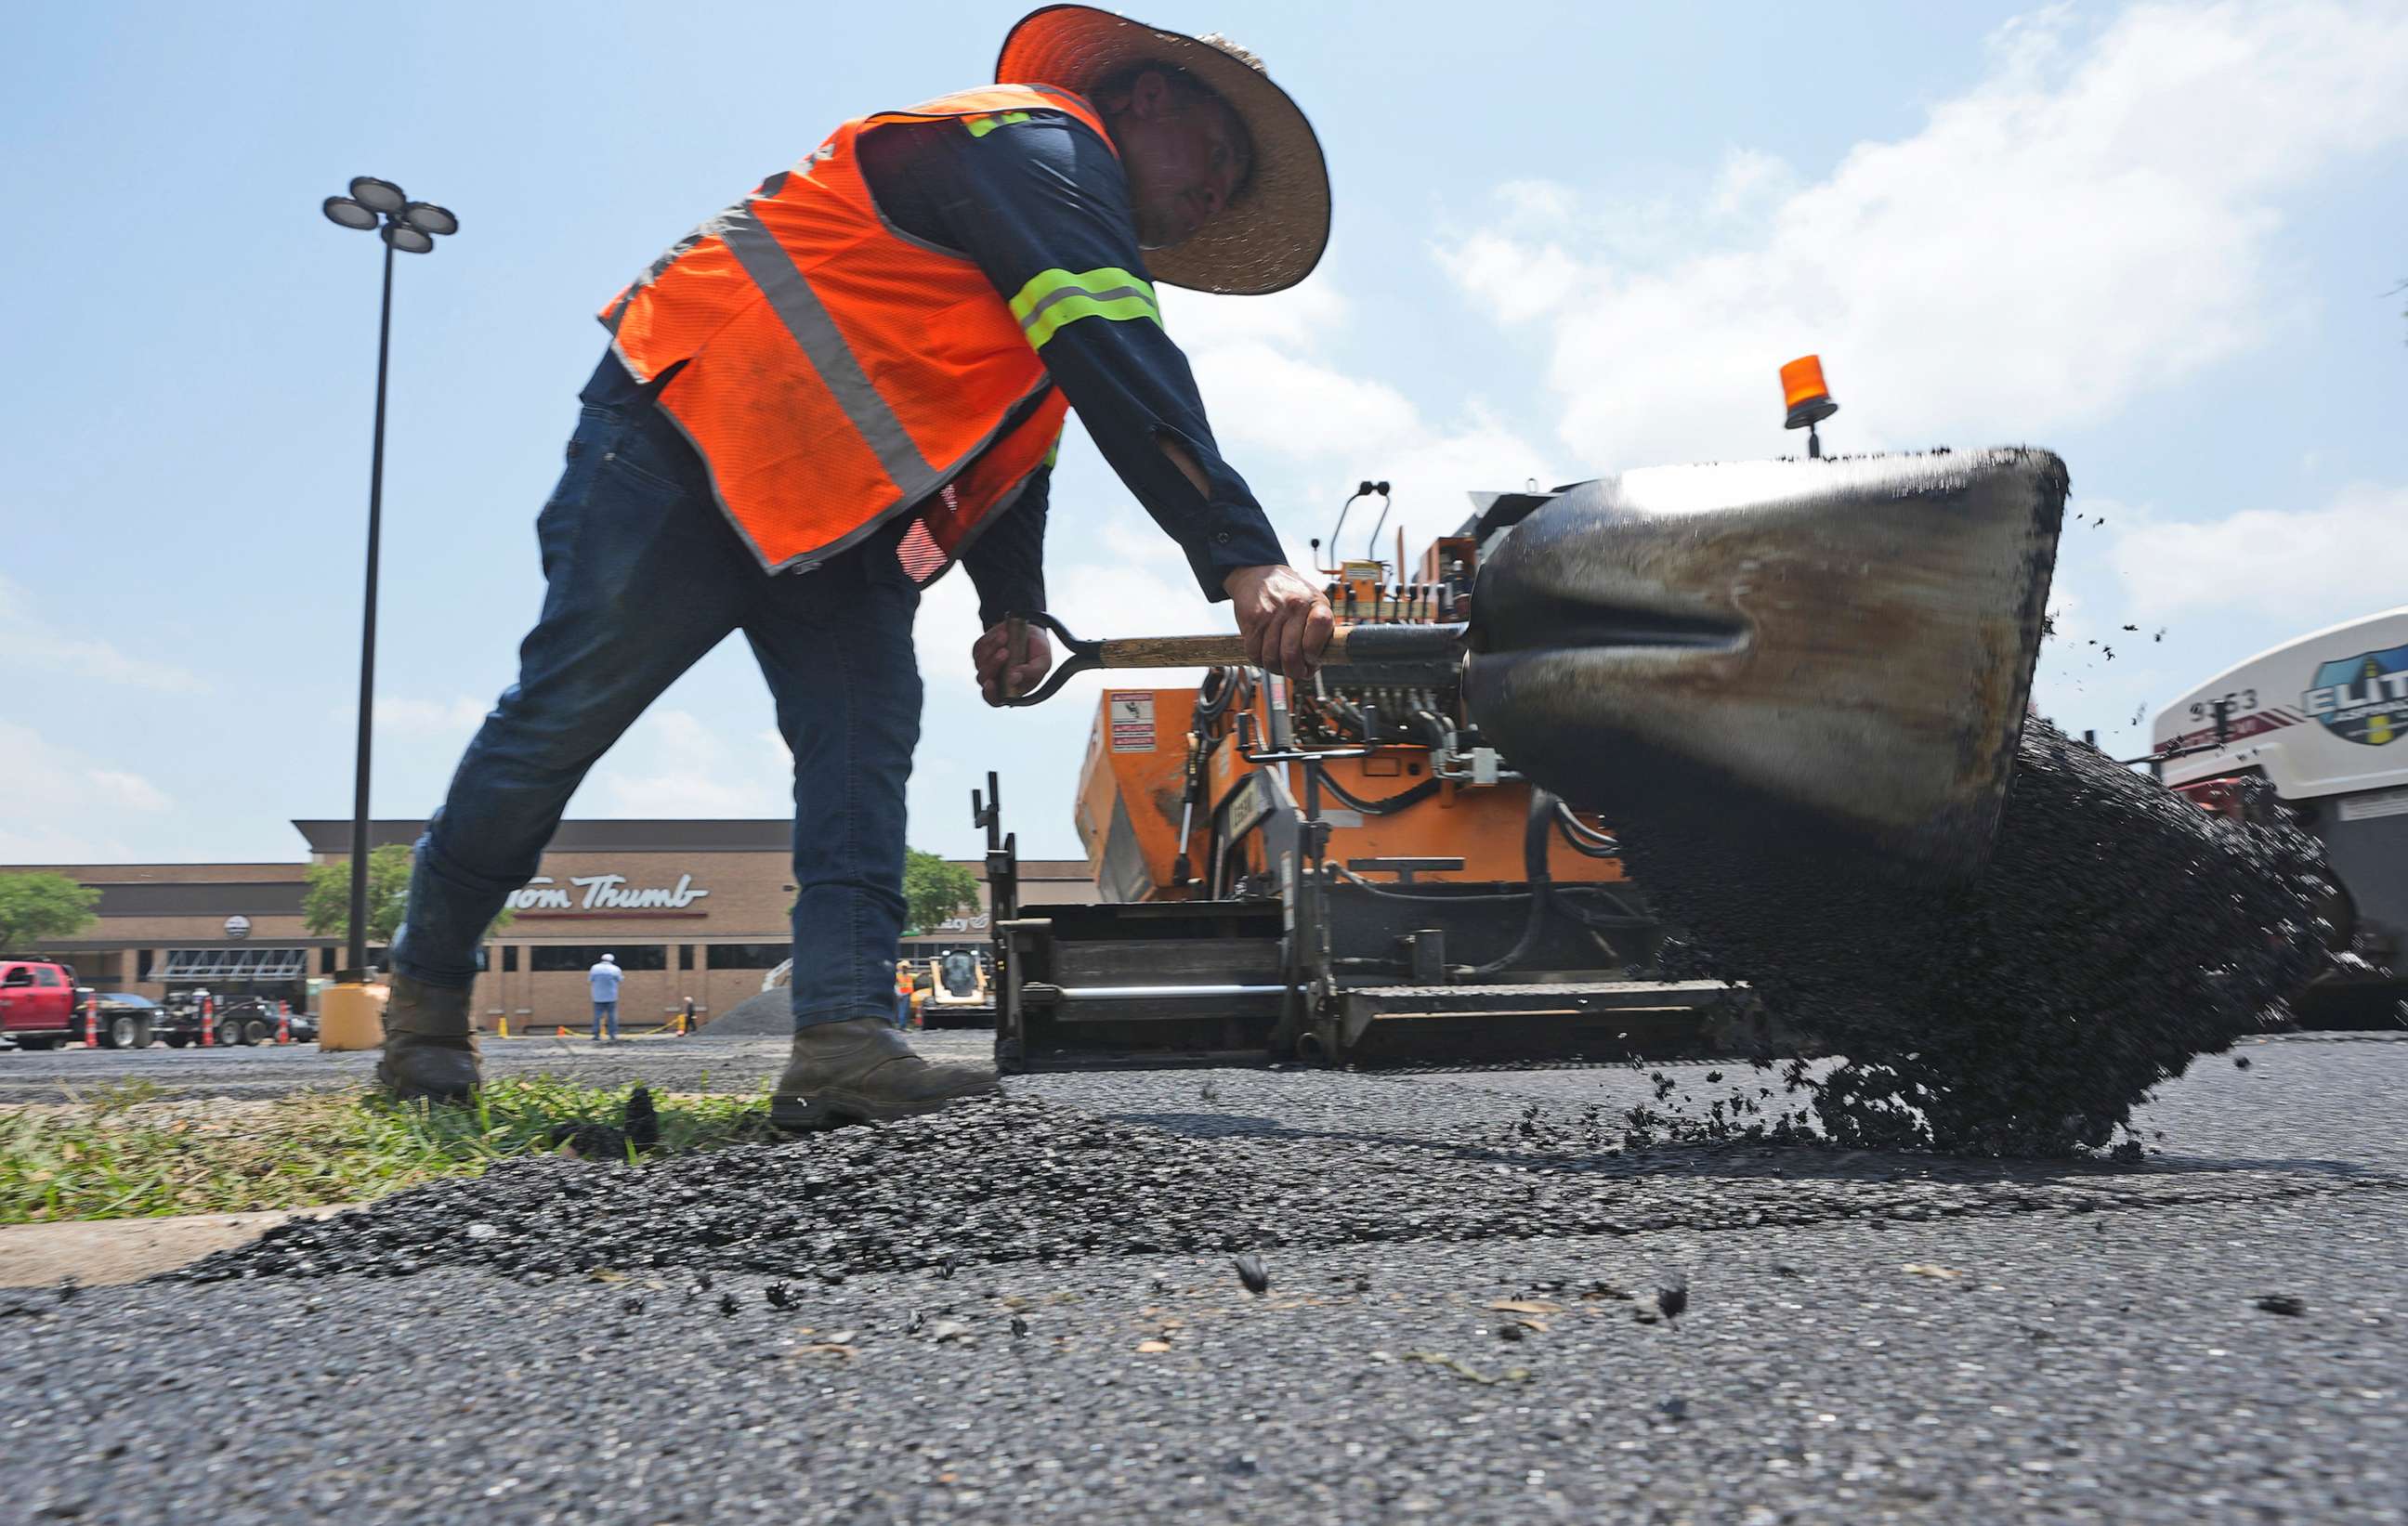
column 1402, row 859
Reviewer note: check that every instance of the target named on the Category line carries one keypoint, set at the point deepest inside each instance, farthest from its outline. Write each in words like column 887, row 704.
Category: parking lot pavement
column 695, row 1063
column 2214, row 1333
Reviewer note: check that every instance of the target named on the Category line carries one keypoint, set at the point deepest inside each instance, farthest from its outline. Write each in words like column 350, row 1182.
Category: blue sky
column 1570, row 239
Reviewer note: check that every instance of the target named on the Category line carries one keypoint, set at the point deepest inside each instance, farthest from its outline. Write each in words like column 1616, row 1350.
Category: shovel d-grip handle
column 1349, row 646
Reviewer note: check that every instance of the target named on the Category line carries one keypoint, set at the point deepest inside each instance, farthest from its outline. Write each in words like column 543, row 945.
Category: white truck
column 2324, row 719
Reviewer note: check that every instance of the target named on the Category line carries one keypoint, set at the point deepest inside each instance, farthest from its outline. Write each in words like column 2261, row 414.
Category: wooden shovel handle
column 1351, row 644
column 1172, row 651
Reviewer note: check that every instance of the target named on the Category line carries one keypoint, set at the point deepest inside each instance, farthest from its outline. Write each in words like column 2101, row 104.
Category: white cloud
column 48, row 785
column 43, row 648
column 401, row 716
column 1538, row 203
column 672, row 763
column 1748, row 182
column 2091, row 220
column 1516, row 280
column 1303, row 427
column 1265, row 400
column 2341, row 559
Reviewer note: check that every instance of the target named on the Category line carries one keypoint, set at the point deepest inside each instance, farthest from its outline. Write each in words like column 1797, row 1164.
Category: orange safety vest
column 839, row 372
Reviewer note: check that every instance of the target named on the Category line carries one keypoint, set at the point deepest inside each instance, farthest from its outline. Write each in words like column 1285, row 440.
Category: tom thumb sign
column 595, row 895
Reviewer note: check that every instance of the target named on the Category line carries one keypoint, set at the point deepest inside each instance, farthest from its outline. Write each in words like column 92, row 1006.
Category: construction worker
column 812, row 407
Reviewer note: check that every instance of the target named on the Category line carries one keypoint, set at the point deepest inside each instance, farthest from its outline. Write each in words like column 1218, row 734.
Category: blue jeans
column 606, row 1010
column 644, row 575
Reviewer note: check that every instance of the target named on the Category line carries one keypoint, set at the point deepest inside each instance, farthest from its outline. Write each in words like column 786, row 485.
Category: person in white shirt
column 603, row 980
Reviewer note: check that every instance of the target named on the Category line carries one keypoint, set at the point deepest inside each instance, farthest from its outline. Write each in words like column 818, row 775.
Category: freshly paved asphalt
column 1901, row 1339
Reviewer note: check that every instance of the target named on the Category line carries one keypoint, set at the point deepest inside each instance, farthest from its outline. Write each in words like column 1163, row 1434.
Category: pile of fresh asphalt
column 1293, row 1162
column 1001, row 1179
column 2118, row 933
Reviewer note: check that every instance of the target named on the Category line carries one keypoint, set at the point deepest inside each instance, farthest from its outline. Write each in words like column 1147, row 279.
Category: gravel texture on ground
column 2119, row 932
column 2109, row 1346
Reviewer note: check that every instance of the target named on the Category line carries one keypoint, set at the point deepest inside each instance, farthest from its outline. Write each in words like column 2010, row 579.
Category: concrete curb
column 99, row 1252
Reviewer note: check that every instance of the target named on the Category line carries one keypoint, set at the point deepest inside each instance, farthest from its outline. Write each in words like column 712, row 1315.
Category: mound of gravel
column 1018, row 1180
column 768, row 1014
column 2119, row 932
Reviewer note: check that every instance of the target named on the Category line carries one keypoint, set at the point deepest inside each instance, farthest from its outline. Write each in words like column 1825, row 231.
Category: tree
column 37, row 906
column 326, row 910
column 934, row 890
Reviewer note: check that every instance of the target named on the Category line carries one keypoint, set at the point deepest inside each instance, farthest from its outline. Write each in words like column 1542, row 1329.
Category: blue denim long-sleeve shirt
column 1036, row 194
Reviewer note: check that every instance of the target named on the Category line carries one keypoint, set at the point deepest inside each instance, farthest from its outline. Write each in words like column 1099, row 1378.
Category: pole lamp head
column 345, row 212
column 378, row 206
column 427, row 218
column 381, row 197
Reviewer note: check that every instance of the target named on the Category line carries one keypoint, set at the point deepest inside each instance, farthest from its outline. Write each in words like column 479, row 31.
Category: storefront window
column 581, row 957
column 747, row 956
column 510, row 959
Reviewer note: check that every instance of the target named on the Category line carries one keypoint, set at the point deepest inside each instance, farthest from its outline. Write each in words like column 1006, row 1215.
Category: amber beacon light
column 1808, row 399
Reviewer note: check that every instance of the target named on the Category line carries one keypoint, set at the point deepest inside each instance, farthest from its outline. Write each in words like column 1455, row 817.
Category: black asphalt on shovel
column 1842, row 646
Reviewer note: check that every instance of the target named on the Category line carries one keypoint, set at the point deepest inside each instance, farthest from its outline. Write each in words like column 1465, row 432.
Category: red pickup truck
column 37, row 1003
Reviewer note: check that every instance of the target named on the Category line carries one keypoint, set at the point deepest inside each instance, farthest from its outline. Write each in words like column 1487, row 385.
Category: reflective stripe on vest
column 982, row 126
column 799, row 307
column 834, row 372
column 1053, row 298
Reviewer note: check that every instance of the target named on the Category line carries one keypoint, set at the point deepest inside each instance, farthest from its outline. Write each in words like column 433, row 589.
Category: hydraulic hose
column 1222, row 686
column 1535, row 831
column 1586, row 839
column 1386, row 804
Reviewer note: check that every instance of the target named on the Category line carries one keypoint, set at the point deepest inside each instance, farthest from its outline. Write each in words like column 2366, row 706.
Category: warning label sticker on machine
column 1132, row 719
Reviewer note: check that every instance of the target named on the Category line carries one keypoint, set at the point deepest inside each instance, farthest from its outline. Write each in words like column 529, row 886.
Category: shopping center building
column 693, row 910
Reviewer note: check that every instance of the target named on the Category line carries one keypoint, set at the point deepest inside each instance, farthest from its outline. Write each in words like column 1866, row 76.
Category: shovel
column 1848, row 643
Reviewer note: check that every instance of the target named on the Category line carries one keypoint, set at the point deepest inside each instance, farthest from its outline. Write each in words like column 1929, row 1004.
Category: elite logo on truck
column 2363, row 698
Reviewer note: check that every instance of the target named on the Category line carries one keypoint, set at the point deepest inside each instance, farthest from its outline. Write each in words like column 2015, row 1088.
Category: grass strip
column 127, row 1152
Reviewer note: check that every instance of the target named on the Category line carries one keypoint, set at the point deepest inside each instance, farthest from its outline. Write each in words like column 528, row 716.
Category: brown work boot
column 430, row 1047
column 861, row 1071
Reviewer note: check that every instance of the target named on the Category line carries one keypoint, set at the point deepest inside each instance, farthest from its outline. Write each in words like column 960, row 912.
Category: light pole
column 411, row 227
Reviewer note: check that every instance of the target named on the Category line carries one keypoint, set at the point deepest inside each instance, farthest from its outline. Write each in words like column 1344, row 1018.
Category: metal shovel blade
column 1848, row 641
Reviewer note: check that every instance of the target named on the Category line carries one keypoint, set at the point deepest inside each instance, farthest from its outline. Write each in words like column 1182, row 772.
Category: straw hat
column 1272, row 235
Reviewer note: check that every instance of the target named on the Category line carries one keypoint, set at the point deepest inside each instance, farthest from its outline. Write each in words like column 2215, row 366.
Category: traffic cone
column 208, row 1022
column 284, row 1022
column 92, row 1023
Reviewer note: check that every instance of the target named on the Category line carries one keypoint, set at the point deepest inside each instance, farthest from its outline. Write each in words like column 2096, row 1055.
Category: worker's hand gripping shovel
column 1848, row 643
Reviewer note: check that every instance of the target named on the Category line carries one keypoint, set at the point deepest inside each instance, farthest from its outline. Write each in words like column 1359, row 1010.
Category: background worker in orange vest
column 812, row 406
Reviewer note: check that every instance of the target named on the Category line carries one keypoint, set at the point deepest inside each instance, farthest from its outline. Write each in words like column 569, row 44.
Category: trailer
column 2318, row 718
